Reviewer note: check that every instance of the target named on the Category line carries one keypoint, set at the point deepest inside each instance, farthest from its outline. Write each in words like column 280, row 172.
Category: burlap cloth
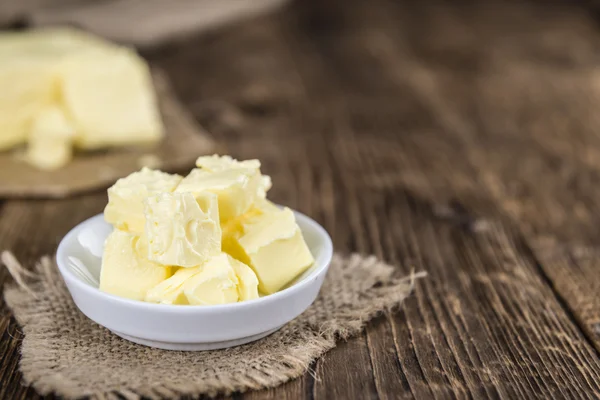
column 66, row 353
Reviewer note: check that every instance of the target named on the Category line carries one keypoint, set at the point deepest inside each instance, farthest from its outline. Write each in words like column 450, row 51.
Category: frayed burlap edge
column 65, row 353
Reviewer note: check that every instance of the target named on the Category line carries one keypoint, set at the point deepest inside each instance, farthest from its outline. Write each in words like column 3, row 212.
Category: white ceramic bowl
column 177, row 327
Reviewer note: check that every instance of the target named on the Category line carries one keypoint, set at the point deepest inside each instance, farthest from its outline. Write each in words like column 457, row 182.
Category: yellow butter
column 109, row 95
column 238, row 184
column 236, row 189
column 182, row 230
column 248, row 282
column 216, row 162
column 216, row 283
column 50, row 140
column 26, row 90
column 170, row 291
column 125, row 208
column 271, row 243
column 126, row 272
column 220, row 280
column 105, row 89
column 220, row 163
column 29, row 75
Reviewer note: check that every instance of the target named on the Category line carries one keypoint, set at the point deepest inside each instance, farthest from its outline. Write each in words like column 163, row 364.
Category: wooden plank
column 477, row 383
column 345, row 372
column 390, row 379
column 515, row 96
column 569, row 268
column 297, row 389
column 487, row 304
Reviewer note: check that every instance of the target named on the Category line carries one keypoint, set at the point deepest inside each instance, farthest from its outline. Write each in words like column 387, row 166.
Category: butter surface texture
column 126, row 272
column 50, row 139
column 108, row 93
column 271, row 243
column 182, row 230
column 237, row 184
column 215, row 232
column 217, row 281
column 104, row 91
column 170, row 291
column 248, row 282
column 126, row 198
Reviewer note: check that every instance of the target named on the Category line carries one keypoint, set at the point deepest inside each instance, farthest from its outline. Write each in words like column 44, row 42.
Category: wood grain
column 428, row 135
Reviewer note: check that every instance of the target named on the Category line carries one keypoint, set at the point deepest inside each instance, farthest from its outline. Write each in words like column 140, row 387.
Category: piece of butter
column 248, row 282
column 183, row 229
column 238, row 184
column 109, row 95
column 105, row 89
column 216, row 283
column 126, row 271
column 125, row 208
column 27, row 88
column 220, row 280
column 50, row 139
column 271, row 243
column 170, row 291
column 219, row 163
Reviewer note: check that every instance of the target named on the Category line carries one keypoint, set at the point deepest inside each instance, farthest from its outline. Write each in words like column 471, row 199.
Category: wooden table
column 458, row 139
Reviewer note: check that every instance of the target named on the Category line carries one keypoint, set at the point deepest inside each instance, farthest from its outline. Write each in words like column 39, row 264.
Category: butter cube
column 271, row 243
column 183, row 230
column 238, row 184
column 126, row 271
column 29, row 75
column 109, row 95
column 220, row 280
column 105, row 89
column 216, row 283
column 170, row 291
column 219, row 163
column 248, row 282
column 50, row 139
column 125, row 208
column 27, row 88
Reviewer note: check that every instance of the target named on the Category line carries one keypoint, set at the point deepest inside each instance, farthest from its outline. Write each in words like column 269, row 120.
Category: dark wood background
column 454, row 137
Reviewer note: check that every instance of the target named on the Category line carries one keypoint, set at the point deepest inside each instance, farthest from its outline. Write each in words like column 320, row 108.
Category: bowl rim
column 322, row 262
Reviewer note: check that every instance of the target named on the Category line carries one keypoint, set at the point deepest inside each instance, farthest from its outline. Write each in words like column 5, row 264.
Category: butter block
column 220, row 280
column 105, row 89
column 50, row 141
column 216, row 283
column 26, row 90
column 126, row 272
column 183, row 229
column 271, row 243
column 170, row 291
column 216, row 163
column 125, row 208
column 109, row 95
column 29, row 75
column 248, row 282
column 238, row 184
column 219, row 163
